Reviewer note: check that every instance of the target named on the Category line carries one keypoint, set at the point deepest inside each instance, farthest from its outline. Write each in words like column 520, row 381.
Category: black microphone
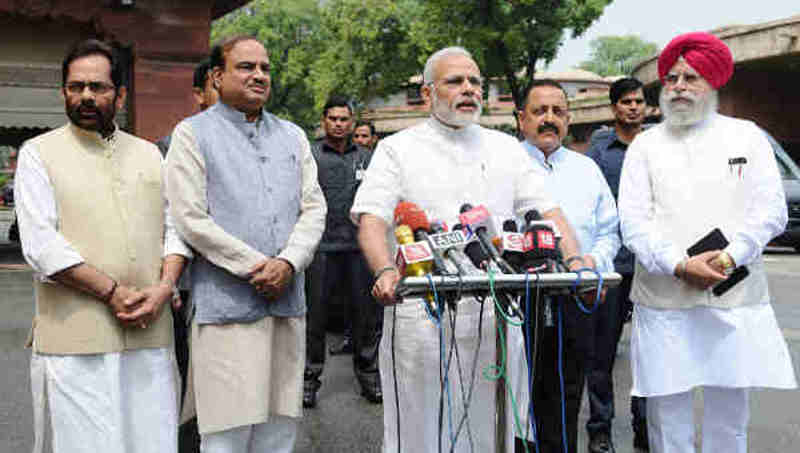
column 512, row 245
column 541, row 252
column 479, row 222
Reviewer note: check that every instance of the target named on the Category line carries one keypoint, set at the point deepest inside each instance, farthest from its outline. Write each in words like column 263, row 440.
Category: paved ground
column 345, row 422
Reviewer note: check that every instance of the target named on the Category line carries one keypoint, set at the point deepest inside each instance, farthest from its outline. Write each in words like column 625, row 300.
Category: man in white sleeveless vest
column 92, row 217
column 243, row 188
column 695, row 172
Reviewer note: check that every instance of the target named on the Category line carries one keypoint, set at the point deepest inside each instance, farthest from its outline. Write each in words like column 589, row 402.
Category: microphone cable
column 496, row 372
column 531, row 425
column 394, row 376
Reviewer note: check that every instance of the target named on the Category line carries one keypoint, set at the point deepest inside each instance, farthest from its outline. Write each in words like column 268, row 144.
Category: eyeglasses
column 671, row 80
column 94, row 87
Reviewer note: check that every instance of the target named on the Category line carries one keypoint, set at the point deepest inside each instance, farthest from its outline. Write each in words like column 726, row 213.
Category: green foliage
column 618, row 55
column 355, row 48
column 507, row 38
column 369, row 48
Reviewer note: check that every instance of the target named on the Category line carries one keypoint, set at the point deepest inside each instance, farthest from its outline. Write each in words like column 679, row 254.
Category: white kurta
column 675, row 350
column 439, row 169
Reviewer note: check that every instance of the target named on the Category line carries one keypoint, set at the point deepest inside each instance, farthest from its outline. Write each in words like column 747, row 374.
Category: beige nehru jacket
column 111, row 210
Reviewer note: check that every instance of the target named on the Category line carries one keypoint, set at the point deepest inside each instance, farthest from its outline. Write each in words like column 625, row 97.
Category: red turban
column 704, row 52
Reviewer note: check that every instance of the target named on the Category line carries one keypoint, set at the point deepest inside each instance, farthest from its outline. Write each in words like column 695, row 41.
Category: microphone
column 408, row 213
column 541, row 255
column 512, row 245
column 481, row 260
column 540, row 249
column 414, row 259
column 450, row 245
column 479, row 222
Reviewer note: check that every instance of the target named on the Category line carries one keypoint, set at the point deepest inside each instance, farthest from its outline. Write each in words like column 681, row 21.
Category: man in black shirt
column 338, row 261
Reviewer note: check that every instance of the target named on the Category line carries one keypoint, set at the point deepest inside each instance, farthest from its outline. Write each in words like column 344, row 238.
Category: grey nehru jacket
column 242, row 193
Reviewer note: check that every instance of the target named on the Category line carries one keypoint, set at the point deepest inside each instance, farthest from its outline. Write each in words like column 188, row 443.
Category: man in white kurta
column 697, row 171
column 441, row 164
column 93, row 225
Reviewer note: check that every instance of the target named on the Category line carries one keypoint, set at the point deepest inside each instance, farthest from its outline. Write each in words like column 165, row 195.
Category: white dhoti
column 121, row 402
column 723, row 351
column 416, row 362
column 674, row 351
column 248, row 383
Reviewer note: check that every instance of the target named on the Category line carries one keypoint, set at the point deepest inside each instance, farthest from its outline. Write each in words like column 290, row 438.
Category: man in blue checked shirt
column 580, row 189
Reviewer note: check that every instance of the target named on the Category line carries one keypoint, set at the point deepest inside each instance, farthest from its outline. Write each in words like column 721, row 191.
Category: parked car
column 790, row 174
column 7, row 193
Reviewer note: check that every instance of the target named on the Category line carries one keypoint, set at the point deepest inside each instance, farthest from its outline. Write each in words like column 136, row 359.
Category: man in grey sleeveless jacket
column 245, row 189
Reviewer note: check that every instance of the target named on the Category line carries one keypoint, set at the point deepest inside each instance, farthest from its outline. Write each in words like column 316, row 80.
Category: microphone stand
column 554, row 283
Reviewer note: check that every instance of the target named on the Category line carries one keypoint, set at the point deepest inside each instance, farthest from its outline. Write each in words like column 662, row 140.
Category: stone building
column 160, row 42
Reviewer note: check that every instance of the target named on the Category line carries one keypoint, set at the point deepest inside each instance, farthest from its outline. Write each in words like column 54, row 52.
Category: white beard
column 683, row 114
column 452, row 117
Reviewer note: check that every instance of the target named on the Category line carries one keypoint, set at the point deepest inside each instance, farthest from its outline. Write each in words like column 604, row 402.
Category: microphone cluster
column 473, row 247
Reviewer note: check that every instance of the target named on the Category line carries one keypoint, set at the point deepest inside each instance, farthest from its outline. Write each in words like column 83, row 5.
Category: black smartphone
column 715, row 240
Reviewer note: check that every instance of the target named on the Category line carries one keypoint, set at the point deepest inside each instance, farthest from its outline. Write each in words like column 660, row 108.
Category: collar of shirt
column 236, row 117
column 104, row 143
column 454, row 134
column 546, row 162
column 351, row 147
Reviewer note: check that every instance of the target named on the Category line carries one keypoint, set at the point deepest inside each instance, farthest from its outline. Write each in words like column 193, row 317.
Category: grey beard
column 700, row 111
column 452, row 118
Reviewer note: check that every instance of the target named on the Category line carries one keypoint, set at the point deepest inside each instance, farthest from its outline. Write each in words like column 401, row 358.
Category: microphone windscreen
column 510, row 226
column 465, row 207
column 532, row 215
column 408, row 213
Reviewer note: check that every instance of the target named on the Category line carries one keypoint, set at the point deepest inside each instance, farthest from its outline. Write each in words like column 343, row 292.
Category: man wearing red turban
column 695, row 173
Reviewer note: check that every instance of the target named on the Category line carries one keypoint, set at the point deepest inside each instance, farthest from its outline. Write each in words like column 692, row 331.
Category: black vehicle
column 790, row 174
column 7, row 193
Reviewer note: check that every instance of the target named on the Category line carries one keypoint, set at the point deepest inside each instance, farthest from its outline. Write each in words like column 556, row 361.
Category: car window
column 786, row 172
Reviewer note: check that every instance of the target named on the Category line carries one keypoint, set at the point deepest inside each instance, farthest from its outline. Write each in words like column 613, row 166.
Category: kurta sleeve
column 640, row 232
column 173, row 244
column 766, row 210
column 45, row 249
column 188, row 206
column 310, row 224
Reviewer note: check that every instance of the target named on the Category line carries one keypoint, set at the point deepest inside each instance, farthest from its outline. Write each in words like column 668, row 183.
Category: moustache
column 544, row 127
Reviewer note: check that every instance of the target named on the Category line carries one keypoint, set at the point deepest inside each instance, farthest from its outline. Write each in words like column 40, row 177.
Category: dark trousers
column 350, row 270
column 547, row 394
column 188, row 435
column 608, row 323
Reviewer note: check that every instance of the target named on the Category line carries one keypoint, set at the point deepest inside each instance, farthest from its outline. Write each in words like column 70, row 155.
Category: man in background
column 582, row 193
column 338, row 261
column 364, row 134
column 608, row 150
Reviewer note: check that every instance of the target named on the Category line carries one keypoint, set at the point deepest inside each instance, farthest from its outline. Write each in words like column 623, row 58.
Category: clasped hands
column 140, row 308
column 271, row 277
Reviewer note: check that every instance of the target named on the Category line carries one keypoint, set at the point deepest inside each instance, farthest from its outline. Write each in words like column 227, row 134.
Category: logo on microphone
column 546, row 239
